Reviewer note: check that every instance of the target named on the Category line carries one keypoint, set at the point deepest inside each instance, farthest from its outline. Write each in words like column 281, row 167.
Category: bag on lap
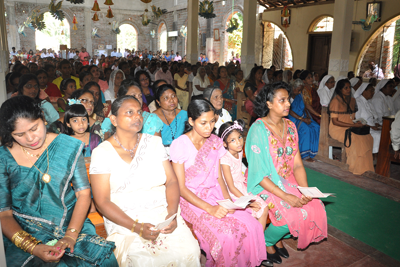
column 355, row 130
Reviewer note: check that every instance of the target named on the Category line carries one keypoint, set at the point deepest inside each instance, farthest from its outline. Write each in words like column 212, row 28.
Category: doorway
column 319, row 50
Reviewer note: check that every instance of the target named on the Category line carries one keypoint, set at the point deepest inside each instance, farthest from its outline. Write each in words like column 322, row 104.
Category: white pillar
column 13, row 29
column 88, row 31
column 341, row 38
column 4, row 55
column 249, row 35
column 192, row 35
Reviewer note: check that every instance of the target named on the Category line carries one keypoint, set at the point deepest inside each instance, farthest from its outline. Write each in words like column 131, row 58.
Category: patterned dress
column 272, row 157
column 235, row 240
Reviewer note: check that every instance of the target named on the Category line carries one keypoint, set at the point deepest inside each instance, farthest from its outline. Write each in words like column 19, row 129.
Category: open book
column 314, row 192
column 239, row 204
column 165, row 223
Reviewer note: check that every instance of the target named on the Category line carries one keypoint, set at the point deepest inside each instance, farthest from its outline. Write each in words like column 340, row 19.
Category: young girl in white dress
column 231, row 164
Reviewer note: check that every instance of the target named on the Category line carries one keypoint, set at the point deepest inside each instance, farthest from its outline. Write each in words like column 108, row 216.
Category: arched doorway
column 382, row 48
column 276, row 48
column 55, row 34
column 162, row 37
column 234, row 39
column 128, row 38
column 319, row 44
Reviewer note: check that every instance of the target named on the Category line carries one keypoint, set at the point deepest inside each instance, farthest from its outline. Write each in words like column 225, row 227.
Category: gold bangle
column 141, row 230
column 274, row 189
column 73, row 230
column 133, row 226
column 33, row 248
column 70, row 237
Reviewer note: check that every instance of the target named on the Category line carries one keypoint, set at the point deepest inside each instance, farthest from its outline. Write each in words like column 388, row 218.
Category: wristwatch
column 72, row 230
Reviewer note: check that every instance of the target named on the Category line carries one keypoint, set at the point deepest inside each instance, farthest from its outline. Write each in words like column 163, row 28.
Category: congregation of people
column 166, row 142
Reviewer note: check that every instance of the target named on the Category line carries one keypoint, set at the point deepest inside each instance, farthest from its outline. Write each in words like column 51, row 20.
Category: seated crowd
column 175, row 124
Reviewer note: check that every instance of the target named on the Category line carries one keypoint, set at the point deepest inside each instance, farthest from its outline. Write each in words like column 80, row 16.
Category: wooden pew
column 325, row 141
column 95, row 217
column 241, row 112
column 386, row 153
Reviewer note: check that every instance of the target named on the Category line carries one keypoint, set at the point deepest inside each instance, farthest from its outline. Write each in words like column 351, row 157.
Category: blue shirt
column 204, row 59
column 171, row 132
column 150, row 57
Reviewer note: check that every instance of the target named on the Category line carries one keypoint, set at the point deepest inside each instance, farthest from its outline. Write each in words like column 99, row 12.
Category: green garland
column 233, row 25
column 207, row 9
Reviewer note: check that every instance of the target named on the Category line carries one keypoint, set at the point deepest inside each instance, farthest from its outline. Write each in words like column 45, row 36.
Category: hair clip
column 74, row 102
column 235, row 125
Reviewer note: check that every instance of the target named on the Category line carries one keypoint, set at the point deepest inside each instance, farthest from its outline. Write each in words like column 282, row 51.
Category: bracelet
column 70, row 237
column 274, row 189
column 141, row 230
column 73, row 230
column 133, row 226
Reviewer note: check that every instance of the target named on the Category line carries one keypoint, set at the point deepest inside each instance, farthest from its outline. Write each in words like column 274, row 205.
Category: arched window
column 55, row 34
column 322, row 24
column 128, row 38
column 234, row 40
column 382, row 48
column 162, row 35
column 276, row 48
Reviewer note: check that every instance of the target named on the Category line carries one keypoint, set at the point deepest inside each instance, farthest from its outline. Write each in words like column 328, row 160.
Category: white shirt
column 366, row 111
column 221, row 120
column 381, row 105
column 71, row 55
column 396, row 101
column 152, row 75
column 108, row 96
column 177, row 58
column 140, row 68
column 126, row 54
column 119, row 54
column 114, row 54
column 13, row 54
column 198, row 81
column 395, row 132
column 43, row 55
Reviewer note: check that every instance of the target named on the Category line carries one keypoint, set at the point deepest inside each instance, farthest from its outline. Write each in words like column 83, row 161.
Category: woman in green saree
column 45, row 194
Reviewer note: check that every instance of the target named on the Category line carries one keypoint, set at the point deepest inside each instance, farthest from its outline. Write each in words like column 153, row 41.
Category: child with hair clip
column 67, row 87
column 76, row 124
column 231, row 134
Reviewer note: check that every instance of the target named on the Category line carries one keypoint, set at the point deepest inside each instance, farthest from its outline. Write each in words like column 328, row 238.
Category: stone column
column 340, row 51
column 249, row 36
column 13, row 29
column 88, row 31
column 4, row 55
column 210, row 41
column 258, row 40
column 192, row 35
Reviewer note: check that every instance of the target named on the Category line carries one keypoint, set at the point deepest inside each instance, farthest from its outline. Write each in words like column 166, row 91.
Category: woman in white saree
column 135, row 188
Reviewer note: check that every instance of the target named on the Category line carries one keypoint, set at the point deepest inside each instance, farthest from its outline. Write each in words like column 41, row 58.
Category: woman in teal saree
column 45, row 194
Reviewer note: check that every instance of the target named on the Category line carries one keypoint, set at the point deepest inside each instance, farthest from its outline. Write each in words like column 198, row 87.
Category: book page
column 313, row 192
column 240, row 203
column 165, row 223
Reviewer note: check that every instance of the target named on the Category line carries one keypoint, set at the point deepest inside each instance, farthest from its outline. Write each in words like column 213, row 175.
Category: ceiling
column 272, row 4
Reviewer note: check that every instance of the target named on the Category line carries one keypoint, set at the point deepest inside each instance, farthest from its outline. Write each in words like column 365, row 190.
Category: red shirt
column 85, row 63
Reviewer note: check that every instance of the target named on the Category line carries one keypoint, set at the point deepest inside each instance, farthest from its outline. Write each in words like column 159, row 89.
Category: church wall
column 301, row 19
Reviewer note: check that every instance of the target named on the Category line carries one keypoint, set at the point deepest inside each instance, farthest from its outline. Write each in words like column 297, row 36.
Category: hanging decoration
column 157, row 12
column 94, row 32
column 28, row 24
column 115, row 29
column 146, row 1
column 96, row 6
column 62, row 24
column 153, row 33
column 108, row 3
column 21, row 30
column 55, row 10
column 38, row 22
column 285, row 20
column 76, row 1
column 95, row 17
column 183, row 31
column 145, row 18
column 207, row 9
column 366, row 24
column 62, row 32
column 109, row 13
column 74, row 21
column 233, row 25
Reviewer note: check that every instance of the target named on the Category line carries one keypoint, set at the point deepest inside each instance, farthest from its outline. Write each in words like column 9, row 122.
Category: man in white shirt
column 395, row 135
column 45, row 55
column 13, row 52
column 374, row 71
column 71, row 53
column 119, row 54
column 141, row 67
column 177, row 57
column 114, row 53
column 126, row 53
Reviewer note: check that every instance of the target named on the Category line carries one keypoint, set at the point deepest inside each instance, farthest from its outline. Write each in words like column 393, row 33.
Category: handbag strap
column 347, row 134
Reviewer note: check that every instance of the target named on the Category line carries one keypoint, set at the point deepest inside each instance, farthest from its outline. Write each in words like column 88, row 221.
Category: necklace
column 45, row 176
column 169, row 124
column 33, row 155
column 131, row 151
column 281, row 136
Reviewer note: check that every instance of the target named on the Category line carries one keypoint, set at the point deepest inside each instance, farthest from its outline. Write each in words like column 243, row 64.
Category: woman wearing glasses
column 29, row 86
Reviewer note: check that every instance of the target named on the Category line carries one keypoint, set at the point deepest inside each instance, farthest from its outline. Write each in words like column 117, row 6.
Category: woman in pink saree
column 229, row 238
column 276, row 170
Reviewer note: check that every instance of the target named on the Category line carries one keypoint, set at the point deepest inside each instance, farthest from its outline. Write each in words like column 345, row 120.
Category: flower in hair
column 74, row 102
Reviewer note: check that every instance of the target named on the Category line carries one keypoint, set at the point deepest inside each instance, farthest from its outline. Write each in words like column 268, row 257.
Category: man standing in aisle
column 114, row 53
